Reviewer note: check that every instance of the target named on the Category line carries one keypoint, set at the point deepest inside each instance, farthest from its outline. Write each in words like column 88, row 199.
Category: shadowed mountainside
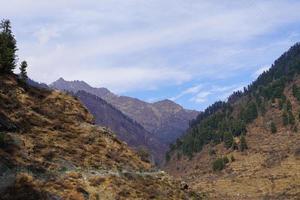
column 165, row 120
column 125, row 128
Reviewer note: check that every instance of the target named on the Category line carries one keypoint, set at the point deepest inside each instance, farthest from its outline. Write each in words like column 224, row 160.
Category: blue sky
column 191, row 51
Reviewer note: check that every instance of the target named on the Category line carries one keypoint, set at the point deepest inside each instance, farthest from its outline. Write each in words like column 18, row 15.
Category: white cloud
column 201, row 97
column 215, row 92
column 191, row 90
column 127, row 45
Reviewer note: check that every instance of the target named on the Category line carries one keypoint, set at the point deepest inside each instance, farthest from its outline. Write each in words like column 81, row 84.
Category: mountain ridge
column 124, row 127
column 165, row 119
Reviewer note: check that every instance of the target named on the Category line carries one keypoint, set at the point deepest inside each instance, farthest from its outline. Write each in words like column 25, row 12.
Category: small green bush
column 220, row 163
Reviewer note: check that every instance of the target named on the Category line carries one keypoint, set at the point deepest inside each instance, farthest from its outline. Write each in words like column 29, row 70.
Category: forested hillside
column 222, row 121
column 249, row 146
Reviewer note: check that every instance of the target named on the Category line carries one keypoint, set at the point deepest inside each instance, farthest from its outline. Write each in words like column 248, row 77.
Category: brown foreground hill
column 50, row 149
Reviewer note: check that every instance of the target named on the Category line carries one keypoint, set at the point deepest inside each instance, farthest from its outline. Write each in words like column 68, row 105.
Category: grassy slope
column 58, row 153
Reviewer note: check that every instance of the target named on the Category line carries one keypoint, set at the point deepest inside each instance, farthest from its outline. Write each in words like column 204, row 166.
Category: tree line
column 8, row 49
column 222, row 121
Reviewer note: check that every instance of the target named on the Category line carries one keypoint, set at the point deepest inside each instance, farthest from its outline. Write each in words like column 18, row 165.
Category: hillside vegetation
column 224, row 120
column 256, row 132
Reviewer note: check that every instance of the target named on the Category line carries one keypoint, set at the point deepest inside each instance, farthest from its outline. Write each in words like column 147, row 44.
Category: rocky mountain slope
column 49, row 149
column 166, row 119
column 125, row 128
column 248, row 147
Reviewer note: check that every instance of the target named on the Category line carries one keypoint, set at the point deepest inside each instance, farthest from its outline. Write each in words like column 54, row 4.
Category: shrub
column 243, row 144
column 235, row 146
column 285, row 119
column 225, row 160
column 291, row 118
column 232, row 158
column 295, row 129
column 143, row 154
column 273, row 127
column 218, row 164
column 212, row 152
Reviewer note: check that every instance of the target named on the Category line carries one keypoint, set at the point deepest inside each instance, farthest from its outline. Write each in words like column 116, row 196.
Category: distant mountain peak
column 61, row 79
column 165, row 119
column 167, row 103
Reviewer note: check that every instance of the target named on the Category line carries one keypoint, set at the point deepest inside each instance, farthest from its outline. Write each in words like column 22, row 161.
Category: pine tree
column 243, row 144
column 228, row 139
column 23, row 72
column 8, row 48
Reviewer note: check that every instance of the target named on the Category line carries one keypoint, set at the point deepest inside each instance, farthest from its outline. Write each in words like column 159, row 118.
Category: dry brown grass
column 56, row 144
column 269, row 169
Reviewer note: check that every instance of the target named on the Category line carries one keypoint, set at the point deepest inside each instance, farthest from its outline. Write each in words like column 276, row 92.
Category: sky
column 193, row 52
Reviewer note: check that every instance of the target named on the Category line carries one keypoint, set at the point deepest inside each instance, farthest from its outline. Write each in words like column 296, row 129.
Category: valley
column 75, row 139
column 150, row 125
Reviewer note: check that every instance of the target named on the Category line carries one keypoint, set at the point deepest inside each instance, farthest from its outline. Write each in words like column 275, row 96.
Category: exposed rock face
column 165, row 119
column 57, row 153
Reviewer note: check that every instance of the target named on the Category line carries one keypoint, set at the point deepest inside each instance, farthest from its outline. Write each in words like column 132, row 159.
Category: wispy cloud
column 191, row 90
column 201, row 97
column 138, row 45
column 206, row 93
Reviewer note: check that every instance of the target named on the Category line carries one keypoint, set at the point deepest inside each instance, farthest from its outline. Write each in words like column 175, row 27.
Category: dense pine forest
column 223, row 121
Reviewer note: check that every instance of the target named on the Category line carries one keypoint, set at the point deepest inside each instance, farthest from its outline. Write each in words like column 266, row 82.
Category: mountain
column 165, row 119
column 249, row 146
column 50, row 149
column 37, row 84
column 125, row 128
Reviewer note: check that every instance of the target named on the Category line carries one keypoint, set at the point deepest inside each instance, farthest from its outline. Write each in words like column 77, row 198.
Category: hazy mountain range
column 139, row 123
